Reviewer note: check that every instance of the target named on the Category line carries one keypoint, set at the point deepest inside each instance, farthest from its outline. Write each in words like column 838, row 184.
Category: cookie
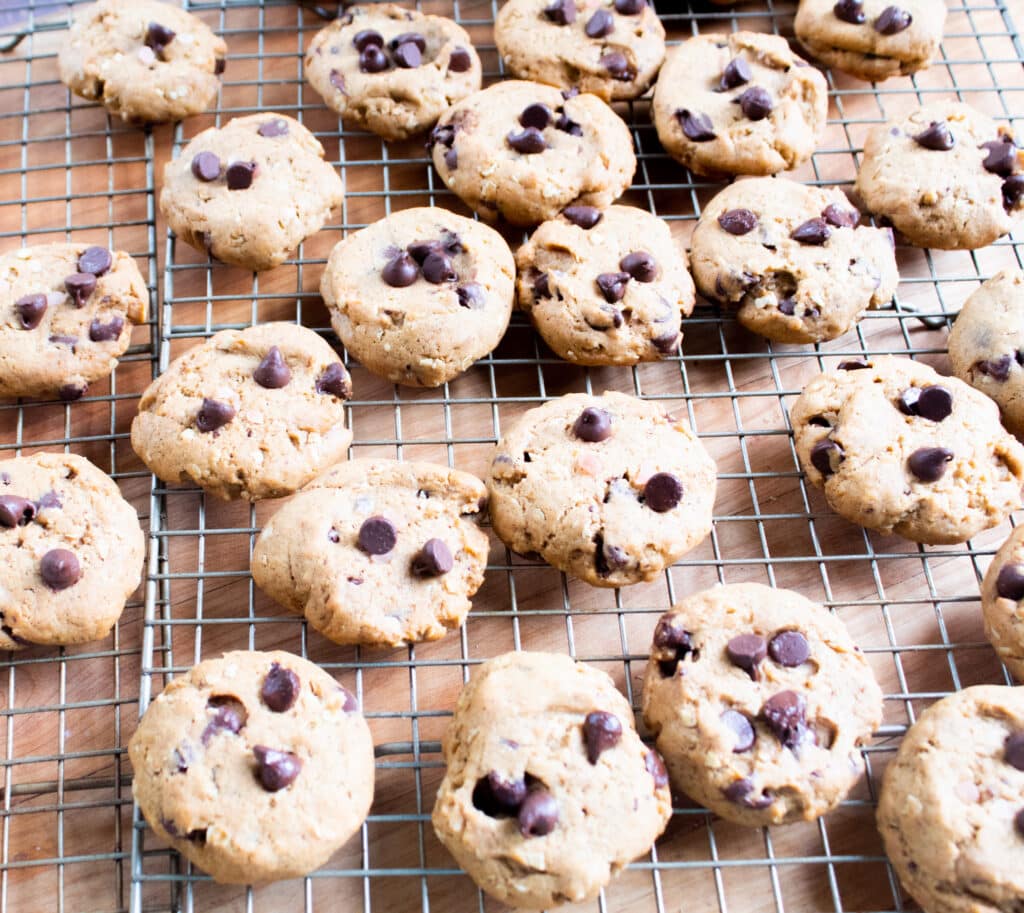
column 760, row 703
column 377, row 552
column 71, row 549
column 251, row 414
column 145, row 61
column 900, row 449
column 390, row 69
column 525, row 151
column 986, row 344
column 611, row 50
column 609, row 488
column 1001, row 607
column 250, row 192
column 605, row 287
column 254, row 766
column 544, row 769
column 739, row 104
column 792, row 258
column 420, row 295
column 944, row 176
column 951, row 811
column 66, row 316
column 871, row 39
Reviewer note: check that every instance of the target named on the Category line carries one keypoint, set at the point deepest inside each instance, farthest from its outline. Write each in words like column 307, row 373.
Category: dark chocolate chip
column 892, row 20
column 785, row 714
column 471, row 295
column 656, row 768
column 451, row 159
column 787, row 306
column 789, row 648
column 585, row 217
column 669, row 634
column 851, row 11
column 418, row 250
column 813, row 231
column 538, row 814
column 536, row 115
column 414, row 38
column 613, row 286
column 59, row 569
column 442, row 135
column 662, row 492
column 437, row 268
column 1013, row 749
column 400, row 271
column 933, row 402
column 600, row 24
column 272, row 128
column 459, row 60
column 936, row 136
column 213, row 414
column 497, row 796
column 407, row 55
column 206, row 166
column 742, row 729
column 736, row 73
column 928, row 464
column 998, row 369
column 741, row 792
column 826, row 456
column 219, row 66
column 1018, row 822
column 273, row 371
column 608, row 558
column 240, row 175
column 1000, row 156
column 280, row 689
column 158, row 36
column 106, row 332
column 541, row 286
column 854, row 365
column 527, row 142
column 696, row 126
column 433, row 560
column 667, row 342
column 71, row 392
column 601, row 732
column 229, row 715
column 338, row 81
column 366, row 38
column 334, row 381
column 640, row 265
column 1010, row 582
column 738, row 221
column 567, row 125
column 30, row 310
column 630, row 7
column 756, row 103
column 746, row 651
column 561, row 12
column 276, row 769
column 377, row 535
column 1013, row 190
column 839, row 217
column 15, row 511
column 80, row 286
column 593, row 425
column 95, row 260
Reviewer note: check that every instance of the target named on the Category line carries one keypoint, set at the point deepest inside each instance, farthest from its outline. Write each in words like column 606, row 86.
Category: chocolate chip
column 15, row 511
column 276, row 769
column 785, row 714
column 538, row 814
column 742, row 729
column 826, row 456
column 280, row 689
column 158, row 36
column 640, row 265
column 240, row 175
column 696, row 127
column 936, row 136
column 338, row 81
column 600, row 24
column 585, row 217
column 497, row 796
column 377, row 536
column 613, row 286
column 746, row 651
column 593, row 425
column 400, row 271
column 813, row 231
column 662, row 492
column 272, row 372
column 536, row 115
column 219, row 66
column 95, row 260
column 669, row 634
column 229, row 715
column 471, row 295
column 418, row 250
column 630, row 7
column 71, row 392
column 839, row 217
column 561, row 12
column 617, row 65
column 1000, row 156
column 451, row 159
column 667, row 342
column 789, row 648
column 1013, row 190
column 528, row 142
column 601, row 732
column 437, row 268
column 851, row 11
column 756, row 103
column 928, row 464
column 59, row 569
column 736, row 73
column 656, row 768
column 30, row 310
column 1013, row 749
column 787, row 306
column 459, row 60
column 541, row 286
column 933, row 402
column 854, row 365
column 741, row 792
column 271, row 128
column 106, row 332
column 1010, row 582
column 892, row 20
column 433, row 560
column 567, row 125
column 334, row 381
column 414, row 38
column 366, row 38
column 80, row 286
column 407, row 55
column 738, row 221
column 213, row 414
column 1018, row 822
column 998, row 369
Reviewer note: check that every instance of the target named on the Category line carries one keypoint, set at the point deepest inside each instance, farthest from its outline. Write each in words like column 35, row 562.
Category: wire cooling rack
column 71, row 840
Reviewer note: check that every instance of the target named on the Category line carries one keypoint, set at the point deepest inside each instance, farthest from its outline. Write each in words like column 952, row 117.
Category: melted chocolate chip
column 15, row 511
column 471, row 295
column 656, row 768
column 408, row 55
column 785, row 714
column 377, row 535
column 433, row 560
column 826, row 456
column 437, row 268
column 451, row 159
column 738, row 221
column 538, row 814
column 1013, row 749
column 928, row 464
column 617, row 65
column 206, row 166
column 839, row 217
column 613, row 286
column 30, row 309
column 667, row 342
column 630, row 7
column 272, row 128
column 593, row 425
column 240, row 175
column 213, row 414
column 229, row 715
column 567, row 125
column 276, row 769
column 280, row 689
column 459, row 60
column 400, row 271
column 855, row 365
column 536, row 115
column 746, row 651
column 787, row 306
column 106, row 332
column 813, row 231
column 80, row 286
column 998, row 369
column 95, row 260
column 366, row 38
column 933, row 402
column 541, row 286
column 1013, row 190
column 669, row 634
column 561, row 12
column 892, row 20
column 1000, row 156
column 851, row 11
column 334, row 381
column 498, row 796
column 71, row 392
column 640, row 265
column 585, row 217
column 662, row 492
column 756, row 103
column 158, row 37
column 696, row 126
column 273, row 371
column 59, row 569
column 742, row 793
column 736, row 73
column 601, row 732
column 1010, row 582
column 936, row 136
column 527, row 142
column 789, row 648
column 741, row 728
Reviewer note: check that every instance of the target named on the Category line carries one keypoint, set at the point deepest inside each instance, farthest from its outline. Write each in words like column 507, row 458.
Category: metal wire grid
column 913, row 609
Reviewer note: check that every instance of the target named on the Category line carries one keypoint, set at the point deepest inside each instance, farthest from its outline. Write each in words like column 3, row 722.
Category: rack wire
column 71, row 839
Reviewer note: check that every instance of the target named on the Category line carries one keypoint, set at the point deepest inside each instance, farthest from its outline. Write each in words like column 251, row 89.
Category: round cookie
column 951, row 810
column 71, row 549
column 986, row 344
column 900, row 449
column 609, row 488
column 252, row 413
column 944, row 176
column 148, row 62
column 871, row 39
column 390, row 69
column 66, row 316
column 377, row 552
column 525, row 151
column 249, row 192
column 420, row 295
column 605, row 287
column 742, row 103
column 544, row 769
column 1002, row 592
column 254, row 766
column 792, row 258
column 760, row 703
column 611, row 50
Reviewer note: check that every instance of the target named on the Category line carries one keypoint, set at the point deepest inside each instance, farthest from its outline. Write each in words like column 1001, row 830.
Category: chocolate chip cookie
column 251, row 414
column 71, row 549
column 66, row 316
column 390, row 69
column 544, row 769
column 760, row 703
column 986, row 344
column 609, row 488
column 525, row 151
column 249, row 192
column 254, row 766
column 420, row 295
column 739, row 104
column 793, row 258
column 1002, row 592
column 871, row 39
column 899, row 449
column 605, row 287
column 951, row 811
column 611, row 50
column 148, row 62
column 377, row 552
column 944, row 176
